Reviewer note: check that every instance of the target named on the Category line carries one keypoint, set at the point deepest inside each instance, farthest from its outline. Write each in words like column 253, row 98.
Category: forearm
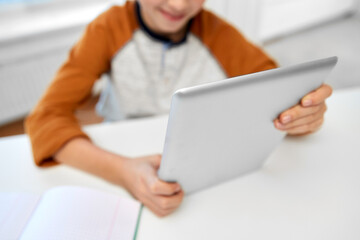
column 137, row 175
column 82, row 154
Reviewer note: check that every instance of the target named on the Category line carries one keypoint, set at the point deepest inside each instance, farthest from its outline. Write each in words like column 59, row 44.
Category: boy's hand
column 141, row 180
column 307, row 116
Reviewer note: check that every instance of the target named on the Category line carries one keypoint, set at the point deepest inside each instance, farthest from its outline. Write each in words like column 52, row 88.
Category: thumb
column 155, row 160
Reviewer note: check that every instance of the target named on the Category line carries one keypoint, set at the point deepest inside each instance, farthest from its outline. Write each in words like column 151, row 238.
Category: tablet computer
column 222, row 130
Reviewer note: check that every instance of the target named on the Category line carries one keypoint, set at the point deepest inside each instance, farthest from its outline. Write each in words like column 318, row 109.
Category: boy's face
column 169, row 16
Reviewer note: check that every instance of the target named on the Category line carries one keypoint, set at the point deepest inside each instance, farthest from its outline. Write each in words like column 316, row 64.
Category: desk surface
column 309, row 187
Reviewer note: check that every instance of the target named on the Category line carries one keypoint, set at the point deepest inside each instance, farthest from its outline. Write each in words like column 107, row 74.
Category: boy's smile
column 169, row 17
column 172, row 16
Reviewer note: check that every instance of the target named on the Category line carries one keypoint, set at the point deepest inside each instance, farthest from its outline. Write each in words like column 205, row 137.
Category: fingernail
column 286, row 119
column 279, row 125
column 307, row 102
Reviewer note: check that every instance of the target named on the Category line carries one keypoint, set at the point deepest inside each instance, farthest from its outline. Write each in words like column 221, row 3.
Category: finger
column 297, row 112
column 150, row 200
column 163, row 205
column 159, row 187
column 156, row 209
column 302, row 121
column 316, row 97
column 169, row 202
column 306, row 129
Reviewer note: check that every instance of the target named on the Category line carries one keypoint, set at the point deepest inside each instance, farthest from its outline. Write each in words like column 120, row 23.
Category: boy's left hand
column 307, row 116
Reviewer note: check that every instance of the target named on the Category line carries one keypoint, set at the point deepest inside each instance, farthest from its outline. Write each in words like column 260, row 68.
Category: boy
column 150, row 48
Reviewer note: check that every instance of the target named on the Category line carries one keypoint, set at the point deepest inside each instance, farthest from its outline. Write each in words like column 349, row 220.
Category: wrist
column 120, row 169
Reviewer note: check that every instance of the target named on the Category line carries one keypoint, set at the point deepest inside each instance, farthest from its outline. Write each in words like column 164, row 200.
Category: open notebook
column 68, row 212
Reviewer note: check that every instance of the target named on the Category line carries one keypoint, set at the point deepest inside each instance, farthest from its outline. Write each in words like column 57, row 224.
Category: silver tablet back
column 222, row 130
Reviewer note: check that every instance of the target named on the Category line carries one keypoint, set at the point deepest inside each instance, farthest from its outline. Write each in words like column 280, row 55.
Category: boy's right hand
column 140, row 179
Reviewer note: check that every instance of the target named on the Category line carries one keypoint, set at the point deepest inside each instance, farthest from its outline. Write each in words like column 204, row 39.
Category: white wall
column 262, row 20
column 280, row 17
column 243, row 14
column 29, row 59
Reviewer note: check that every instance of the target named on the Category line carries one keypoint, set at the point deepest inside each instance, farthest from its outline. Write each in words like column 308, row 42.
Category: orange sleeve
column 235, row 54
column 52, row 123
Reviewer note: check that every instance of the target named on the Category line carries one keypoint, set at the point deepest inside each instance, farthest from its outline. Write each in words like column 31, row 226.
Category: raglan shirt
column 144, row 71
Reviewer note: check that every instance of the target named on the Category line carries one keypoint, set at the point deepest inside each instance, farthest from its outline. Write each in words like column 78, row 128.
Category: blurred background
column 36, row 35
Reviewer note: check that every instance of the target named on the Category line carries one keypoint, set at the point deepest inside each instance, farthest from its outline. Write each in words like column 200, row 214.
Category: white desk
column 308, row 189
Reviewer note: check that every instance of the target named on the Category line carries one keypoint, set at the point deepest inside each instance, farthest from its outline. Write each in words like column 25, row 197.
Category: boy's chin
column 172, row 30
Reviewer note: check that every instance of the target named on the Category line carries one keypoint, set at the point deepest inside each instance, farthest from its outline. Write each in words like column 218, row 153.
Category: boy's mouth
column 172, row 17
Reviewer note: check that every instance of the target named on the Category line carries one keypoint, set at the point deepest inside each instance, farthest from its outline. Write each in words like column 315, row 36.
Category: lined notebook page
column 81, row 213
column 15, row 211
